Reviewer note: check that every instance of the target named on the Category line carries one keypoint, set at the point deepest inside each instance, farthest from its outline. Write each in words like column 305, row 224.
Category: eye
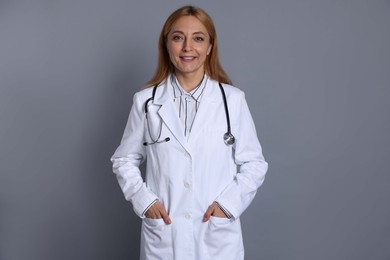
column 177, row 38
column 199, row 39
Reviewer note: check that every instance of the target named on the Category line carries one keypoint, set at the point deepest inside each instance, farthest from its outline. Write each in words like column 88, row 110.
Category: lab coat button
column 187, row 185
column 188, row 216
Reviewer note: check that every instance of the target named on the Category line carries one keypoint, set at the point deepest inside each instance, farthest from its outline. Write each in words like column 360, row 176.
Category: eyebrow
column 178, row 31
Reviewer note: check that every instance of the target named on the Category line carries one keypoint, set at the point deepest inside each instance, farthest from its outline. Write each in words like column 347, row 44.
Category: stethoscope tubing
column 229, row 139
column 226, row 107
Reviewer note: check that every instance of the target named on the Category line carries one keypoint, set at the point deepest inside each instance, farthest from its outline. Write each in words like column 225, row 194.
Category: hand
column 157, row 211
column 215, row 211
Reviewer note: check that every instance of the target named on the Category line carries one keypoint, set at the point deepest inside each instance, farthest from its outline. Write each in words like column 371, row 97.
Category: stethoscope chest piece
column 229, row 138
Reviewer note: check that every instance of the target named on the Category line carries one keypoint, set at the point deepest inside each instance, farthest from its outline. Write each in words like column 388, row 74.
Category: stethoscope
column 228, row 137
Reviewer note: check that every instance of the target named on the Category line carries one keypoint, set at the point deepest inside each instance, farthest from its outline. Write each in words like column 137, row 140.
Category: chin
column 187, row 70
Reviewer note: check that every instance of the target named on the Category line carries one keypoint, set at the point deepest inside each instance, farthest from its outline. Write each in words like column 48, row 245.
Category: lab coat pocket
column 217, row 221
column 157, row 239
column 223, row 239
column 154, row 222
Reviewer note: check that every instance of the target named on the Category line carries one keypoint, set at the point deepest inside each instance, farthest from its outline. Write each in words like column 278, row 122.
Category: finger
column 148, row 213
column 208, row 213
column 162, row 213
column 165, row 216
column 153, row 212
column 156, row 213
column 218, row 212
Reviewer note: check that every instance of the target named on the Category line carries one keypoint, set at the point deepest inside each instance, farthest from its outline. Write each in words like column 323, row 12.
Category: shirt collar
column 178, row 90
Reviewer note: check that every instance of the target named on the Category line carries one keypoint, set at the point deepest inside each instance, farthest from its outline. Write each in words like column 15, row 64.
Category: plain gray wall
column 317, row 79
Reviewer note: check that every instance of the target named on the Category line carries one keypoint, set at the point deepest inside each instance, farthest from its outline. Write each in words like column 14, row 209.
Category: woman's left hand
column 215, row 211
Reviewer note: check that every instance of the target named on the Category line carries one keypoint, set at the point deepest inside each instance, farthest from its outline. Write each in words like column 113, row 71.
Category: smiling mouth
column 187, row 59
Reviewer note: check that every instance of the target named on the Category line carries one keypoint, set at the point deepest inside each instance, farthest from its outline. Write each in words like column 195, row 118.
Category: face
column 188, row 45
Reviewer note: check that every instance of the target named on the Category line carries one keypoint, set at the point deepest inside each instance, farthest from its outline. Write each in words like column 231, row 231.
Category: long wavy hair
column 212, row 65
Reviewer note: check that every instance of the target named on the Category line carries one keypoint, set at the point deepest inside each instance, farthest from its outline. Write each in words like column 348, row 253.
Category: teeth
column 188, row 58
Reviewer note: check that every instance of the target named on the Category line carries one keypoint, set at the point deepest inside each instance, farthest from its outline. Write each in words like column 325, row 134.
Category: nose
column 187, row 45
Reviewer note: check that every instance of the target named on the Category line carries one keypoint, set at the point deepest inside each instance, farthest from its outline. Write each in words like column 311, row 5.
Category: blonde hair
column 212, row 66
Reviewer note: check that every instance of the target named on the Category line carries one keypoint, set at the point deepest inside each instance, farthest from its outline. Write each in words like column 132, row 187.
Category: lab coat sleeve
column 127, row 159
column 248, row 156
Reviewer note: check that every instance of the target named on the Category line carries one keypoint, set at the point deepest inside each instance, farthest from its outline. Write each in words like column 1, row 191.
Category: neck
column 189, row 82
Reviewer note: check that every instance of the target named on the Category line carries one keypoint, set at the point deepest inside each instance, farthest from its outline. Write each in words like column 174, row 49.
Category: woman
column 196, row 184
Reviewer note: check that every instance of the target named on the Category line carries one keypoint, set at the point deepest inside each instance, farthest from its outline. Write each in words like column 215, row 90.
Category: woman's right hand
column 156, row 211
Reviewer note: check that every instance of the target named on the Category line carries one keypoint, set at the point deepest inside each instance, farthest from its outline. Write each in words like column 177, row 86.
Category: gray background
column 316, row 74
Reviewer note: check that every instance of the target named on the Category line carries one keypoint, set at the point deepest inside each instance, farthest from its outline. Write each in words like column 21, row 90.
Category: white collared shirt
column 187, row 103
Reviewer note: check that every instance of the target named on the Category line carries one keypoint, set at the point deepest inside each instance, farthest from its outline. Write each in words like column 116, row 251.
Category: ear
column 209, row 49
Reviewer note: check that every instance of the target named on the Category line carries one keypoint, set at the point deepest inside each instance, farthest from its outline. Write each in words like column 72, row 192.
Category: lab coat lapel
column 169, row 114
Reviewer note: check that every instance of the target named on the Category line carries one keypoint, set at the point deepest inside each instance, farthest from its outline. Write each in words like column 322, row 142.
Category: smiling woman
column 196, row 184
column 205, row 25
column 188, row 44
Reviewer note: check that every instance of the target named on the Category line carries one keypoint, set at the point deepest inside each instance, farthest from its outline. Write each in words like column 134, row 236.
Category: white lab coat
column 189, row 174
